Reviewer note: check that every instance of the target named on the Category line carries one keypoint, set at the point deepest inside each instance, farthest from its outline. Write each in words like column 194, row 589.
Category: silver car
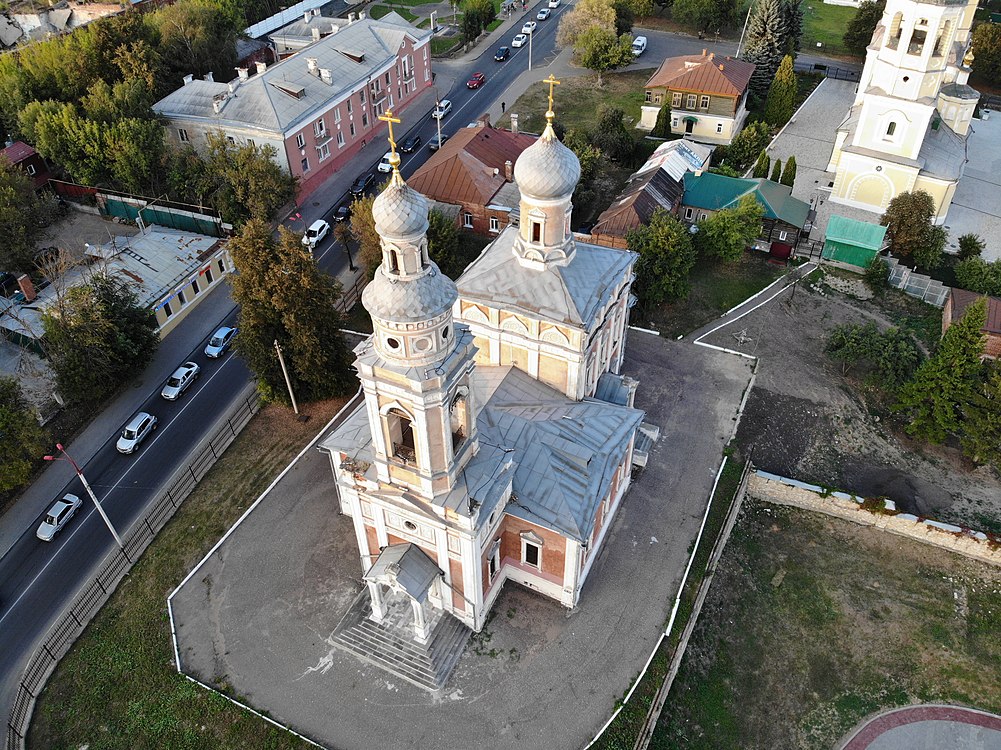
column 135, row 432
column 58, row 516
column 180, row 381
column 219, row 342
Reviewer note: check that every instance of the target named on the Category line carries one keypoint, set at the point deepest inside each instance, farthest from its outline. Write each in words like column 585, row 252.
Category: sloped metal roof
column 713, row 192
column 703, row 74
column 855, row 232
column 961, row 299
column 409, row 566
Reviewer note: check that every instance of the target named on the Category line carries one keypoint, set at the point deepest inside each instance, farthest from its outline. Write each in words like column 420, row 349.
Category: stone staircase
column 390, row 645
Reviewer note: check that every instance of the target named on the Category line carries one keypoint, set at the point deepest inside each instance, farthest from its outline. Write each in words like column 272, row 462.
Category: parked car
column 520, row 41
column 434, row 144
column 529, row 27
column 476, row 81
column 543, row 14
column 180, row 381
column 58, row 516
column 135, row 432
column 502, row 54
column 554, row 3
column 342, row 212
column 316, row 232
column 411, row 144
column 219, row 342
column 443, row 108
column 384, row 165
column 360, row 185
column 639, row 45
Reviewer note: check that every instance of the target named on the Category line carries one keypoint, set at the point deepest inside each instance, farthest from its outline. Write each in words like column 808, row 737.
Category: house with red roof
column 474, row 171
column 707, row 94
column 955, row 307
column 29, row 161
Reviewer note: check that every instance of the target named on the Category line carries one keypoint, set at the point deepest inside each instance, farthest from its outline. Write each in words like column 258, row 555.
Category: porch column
column 422, row 629
column 378, row 604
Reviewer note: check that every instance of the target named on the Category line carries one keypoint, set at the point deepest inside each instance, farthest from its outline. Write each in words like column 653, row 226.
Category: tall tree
column 781, row 101
column 908, row 221
column 776, row 170
column 251, row 184
column 792, row 12
column 363, row 229
column 987, row 52
column 977, row 275
column 600, row 50
column 19, row 219
column 928, row 255
column 610, row 134
column 765, row 44
column 933, row 400
column 662, row 128
column 746, row 145
column 666, row 258
column 584, row 15
column 859, row 32
column 284, row 297
column 970, row 246
column 727, row 233
column 21, row 439
column 443, row 244
column 709, row 16
column 761, row 165
column 789, row 172
column 196, row 38
column 981, row 436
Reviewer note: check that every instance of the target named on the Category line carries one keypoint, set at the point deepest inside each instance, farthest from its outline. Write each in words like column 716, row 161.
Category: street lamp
column 530, row 51
column 86, row 486
column 437, row 105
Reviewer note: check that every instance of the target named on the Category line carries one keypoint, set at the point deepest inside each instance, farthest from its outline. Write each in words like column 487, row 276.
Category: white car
column 529, row 27
column 58, row 516
column 554, row 3
column 520, row 41
column 384, row 165
column 639, row 45
column 180, row 381
column 317, row 231
column 219, row 342
column 443, row 108
column 135, row 432
column 543, row 14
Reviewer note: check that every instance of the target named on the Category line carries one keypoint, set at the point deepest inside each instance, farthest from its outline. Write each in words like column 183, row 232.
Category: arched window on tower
column 891, row 129
column 401, row 436
column 536, row 231
column 943, row 39
column 917, row 44
column 896, row 29
column 394, row 262
column 458, row 416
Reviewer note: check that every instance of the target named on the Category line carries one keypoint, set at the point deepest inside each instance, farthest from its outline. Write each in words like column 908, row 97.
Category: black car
column 434, row 145
column 411, row 144
column 502, row 54
column 342, row 212
column 360, row 185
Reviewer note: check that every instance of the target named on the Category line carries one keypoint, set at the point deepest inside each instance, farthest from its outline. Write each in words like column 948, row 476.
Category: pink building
column 317, row 108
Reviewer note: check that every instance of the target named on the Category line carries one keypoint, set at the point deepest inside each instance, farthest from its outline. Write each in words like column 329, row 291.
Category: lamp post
column 437, row 104
column 288, row 381
column 86, row 486
column 530, row 51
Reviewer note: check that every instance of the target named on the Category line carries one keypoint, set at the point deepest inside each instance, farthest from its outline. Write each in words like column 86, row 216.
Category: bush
column 877, row 275
column 970, row 246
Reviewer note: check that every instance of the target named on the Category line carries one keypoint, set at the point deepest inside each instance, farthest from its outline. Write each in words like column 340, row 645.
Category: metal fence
column 68, row 628
column 840, row 74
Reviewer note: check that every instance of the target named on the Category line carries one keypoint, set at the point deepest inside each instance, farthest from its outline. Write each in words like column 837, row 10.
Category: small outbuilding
column 851, row 241
column 955, row 307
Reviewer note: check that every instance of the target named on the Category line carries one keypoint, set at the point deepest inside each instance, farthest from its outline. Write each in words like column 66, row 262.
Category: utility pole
column 86, row 486
column 530, row 51
column 288, row 381
column 742, row 31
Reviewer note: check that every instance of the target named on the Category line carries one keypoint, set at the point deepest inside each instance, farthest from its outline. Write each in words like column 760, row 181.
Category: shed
column 851, row 241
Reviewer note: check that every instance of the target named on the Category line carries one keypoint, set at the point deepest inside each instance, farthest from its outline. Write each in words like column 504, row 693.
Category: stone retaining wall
column 783, row 491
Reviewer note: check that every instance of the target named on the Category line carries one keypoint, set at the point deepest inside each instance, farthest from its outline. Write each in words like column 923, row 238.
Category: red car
column 476, row 81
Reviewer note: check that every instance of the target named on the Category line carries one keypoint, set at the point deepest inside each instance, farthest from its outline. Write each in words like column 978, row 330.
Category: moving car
column 316, row 232
column 543, row 14
column 529, row 27
column 180, row 381
column 520, row 41
column 554, row 3
column 434, row 144
column 639, row 45
column 135, row 432
column 58, row 516
column 384, row 165
column 476, row 81
column 502, row 54
column 411, row 144
column 443, row 108
column 342, row 212
column 219, row 342
column 360, row 185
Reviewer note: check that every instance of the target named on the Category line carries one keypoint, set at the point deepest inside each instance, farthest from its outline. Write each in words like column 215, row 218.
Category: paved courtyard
column 931, row 727
column 258, row 615
column 810, row 136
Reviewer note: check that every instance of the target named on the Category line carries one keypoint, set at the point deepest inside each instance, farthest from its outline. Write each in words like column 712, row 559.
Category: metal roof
column 703, row 74
column 409, row 566
column 713, row 192
column 854, row 232
column 961, row 299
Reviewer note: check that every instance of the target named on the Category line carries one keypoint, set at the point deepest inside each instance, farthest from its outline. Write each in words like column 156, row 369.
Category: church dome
column 415, row 300
column 400, row 211
column 547, row 169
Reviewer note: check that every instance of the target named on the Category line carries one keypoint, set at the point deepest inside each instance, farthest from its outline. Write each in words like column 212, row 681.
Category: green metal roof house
column 851, row 241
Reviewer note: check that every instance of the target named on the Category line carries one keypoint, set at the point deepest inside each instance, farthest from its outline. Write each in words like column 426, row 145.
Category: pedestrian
column 503, row 107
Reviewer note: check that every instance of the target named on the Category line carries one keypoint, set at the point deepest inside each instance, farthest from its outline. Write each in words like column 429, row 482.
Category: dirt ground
column 805, row 420
column 78, row 228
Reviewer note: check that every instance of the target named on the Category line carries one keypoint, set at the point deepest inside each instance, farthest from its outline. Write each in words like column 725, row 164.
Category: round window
column 422, row 345
column 393, row 343
column 410, row 526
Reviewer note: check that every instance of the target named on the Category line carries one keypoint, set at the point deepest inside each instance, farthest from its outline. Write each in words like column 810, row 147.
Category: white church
column 497, row 437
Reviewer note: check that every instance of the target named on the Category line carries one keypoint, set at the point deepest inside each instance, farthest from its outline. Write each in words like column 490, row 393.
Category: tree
column 21, row 439
column 970, row 246
column 859, row 32
column 99, row 335
column 250, row 184
column 19, row 219
column 662, row 128
column 585, row 14
column 728, row 232
column 706, row 15
column 666, row 258
column 792, row 13
column 589, row 156
column 979, row 276
column 788, row 177
column 747, row 144
column 781, row 101
column 933, row 399
column 852, row 343
column 305, row 322
column 476, row 16
column 195, row 38
column 908, row 221
column 892, row 356
column 761, row 165
column 987, row 52
column 877, row 275
column 766, row 44
column 363, row 229
column 928, row 255
column 600, row 50
column 443, row 244
column 610, row 134
column 776, row 170
column 981, row 436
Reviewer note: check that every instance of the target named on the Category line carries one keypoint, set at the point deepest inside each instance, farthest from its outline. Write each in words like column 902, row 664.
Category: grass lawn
column 716, row 287
column 378, row 11
column 442, row 45
column 118, row 687
column 825, row 24
column 812, row 623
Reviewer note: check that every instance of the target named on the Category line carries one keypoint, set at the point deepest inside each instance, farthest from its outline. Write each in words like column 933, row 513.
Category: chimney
column 316, row 11
column 232, row 86
column 721, row 66
column 261, row 67
column 326, row 76
column 509, row 171
column 313, row 65
column 27, row 288
column 514, row 123
column 351, row 18
column 306, row 16
column 217, row 104
column 704, row 52
column 484, row 120
column 316, row 34
column 188, row 78
column 333, row 28
column 712, row 55
column 243, row 73
column 209, row 77
column 362, row 16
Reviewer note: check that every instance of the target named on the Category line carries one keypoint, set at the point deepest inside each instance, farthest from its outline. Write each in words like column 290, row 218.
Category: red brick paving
column 912, row 714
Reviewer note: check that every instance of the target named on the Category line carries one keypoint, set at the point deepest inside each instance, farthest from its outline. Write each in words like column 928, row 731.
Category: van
column 639, row 45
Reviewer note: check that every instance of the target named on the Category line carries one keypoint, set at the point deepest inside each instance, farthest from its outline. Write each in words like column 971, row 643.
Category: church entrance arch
column 871, row 190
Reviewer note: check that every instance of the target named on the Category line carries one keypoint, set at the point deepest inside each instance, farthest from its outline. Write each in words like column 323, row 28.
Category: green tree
column 251, row 185
column 928, row 256
column 477, row 15
column 363, row 229
column 977, row 275
column 610, row 134
column 987, row 52
column 19, row 219
column 789, row 172
column 727, row 233
column 584, row 15
column 859, row 32
column 897, row 358
column 761, row 166
column 908, row 221
column 747, row 144
column 765, row 44
column 443, row 244
column 970, row 246
column 852, row 343
column 710, row 16
column 781, row 101
column 981, row 435
column 662, row 128
column 877, row 275
column 99, row 336
column 305, row 323
column 21, row 439
column 792, row 13
column 933, row 399
column 666, row 258
column 589, row 156
column 776, row 170
column 195, row 38
column 891, row 356
column 600, row 50
column 728, row 171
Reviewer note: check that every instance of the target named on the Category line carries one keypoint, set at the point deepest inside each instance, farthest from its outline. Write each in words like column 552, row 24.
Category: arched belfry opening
column 401, row 435
column 458, row 415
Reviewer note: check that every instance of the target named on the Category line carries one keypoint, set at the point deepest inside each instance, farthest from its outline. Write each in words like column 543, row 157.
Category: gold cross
column 394, row 159
column 552, row 82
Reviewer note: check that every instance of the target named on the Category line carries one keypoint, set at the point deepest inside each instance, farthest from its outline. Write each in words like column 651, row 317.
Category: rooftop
column 854, row 232
column 713, row 192
column 961, row 299
column 703, row 74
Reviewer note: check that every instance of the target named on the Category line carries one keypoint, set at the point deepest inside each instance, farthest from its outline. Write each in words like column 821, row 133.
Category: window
column 387, row 78
column 305, row 164
column 166, row 309
column 376, row 87
column 319, row 128
column 493, row 563
column 531, row 549
column 689, row 212
column 250, row 142
column 676, row 99
column 691, row 100
column 349, row 106
column 300, row 140
column 208, row 274
column 703, row 215
column 340, row 139
column 704, row 102
column 425, row 54
column 401, row 435
column 536, row 231
column 783, row 236
column 361, row 95
column 182, row 135
column 30, row 169
column 658, row 99
column 352, row 130
column 231, row 139
column 194, row 286
column 494, row 224
column 719, row 127
column 896, row 29
column 222, row 267
column 458, row 417
column 648, row 96
column 337, row 115
column 427, row 74
column 674, row 122
column 467, row 220
column 917, row 43
column 182, row 299
column 322, row 152
column 890, row 130
column 364, row 119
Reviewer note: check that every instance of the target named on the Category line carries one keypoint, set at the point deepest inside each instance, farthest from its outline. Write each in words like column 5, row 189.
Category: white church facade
column 908, row 125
